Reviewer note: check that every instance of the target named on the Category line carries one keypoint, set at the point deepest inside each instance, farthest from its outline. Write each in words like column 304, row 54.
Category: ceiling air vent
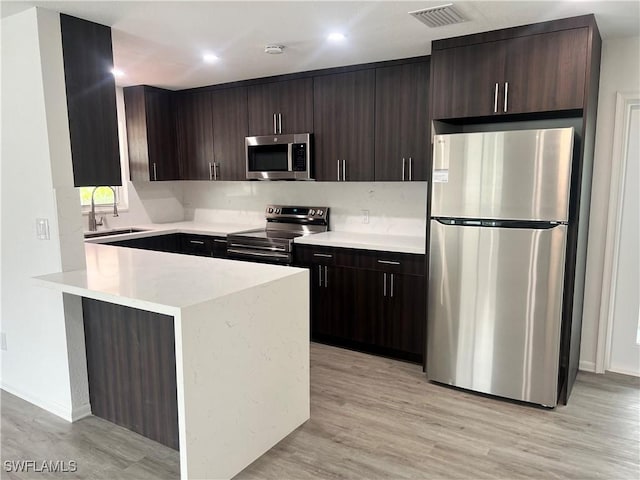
column 439, row 16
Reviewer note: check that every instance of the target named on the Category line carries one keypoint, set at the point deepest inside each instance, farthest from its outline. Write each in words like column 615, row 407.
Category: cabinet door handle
column 506, row 95
column 216, row 167
column 275, row 124
column 320, row 275
column 155, row 171
column 392, row 285
column 389, row 262
column 344, row 170
column 410, row 169
column 403, row 162
column 495, row 99
column 384, row 285
column 338, row 170
column 196, row 242
column 280, row 123
column 217, row 240
column 210, row 171
column 326, row 255
column 326, row 277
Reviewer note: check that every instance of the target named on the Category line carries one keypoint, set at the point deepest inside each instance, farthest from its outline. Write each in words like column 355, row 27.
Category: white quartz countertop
column 366, row 241
column 215, row 229
column 158, row 281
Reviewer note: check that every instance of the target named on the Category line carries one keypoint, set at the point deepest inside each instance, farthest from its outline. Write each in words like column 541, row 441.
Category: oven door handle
column 257, row 254
column 258, row 247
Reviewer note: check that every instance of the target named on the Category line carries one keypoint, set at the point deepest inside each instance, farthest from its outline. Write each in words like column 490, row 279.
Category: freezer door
column 495, row 309
column 523, row 174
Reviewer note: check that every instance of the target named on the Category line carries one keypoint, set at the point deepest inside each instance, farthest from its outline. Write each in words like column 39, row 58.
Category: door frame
column 624, row 104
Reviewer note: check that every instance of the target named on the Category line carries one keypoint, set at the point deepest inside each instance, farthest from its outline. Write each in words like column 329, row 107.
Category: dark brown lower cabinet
column 131, row 365
column 366, row 300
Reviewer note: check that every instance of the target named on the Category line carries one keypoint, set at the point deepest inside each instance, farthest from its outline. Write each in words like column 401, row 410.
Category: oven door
column 259, row 255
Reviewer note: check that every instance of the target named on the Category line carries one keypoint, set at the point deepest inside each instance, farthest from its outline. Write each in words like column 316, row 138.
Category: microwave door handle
column 290, row 156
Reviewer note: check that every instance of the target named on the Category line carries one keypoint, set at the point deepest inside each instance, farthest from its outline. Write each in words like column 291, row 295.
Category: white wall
column 395, row 208
column 619, row 72
column 37, row 182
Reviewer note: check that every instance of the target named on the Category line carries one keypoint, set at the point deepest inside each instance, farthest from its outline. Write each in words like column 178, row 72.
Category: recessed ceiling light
column 117, row 72
column 209, row 57
column 336, row 37
column 274, row 49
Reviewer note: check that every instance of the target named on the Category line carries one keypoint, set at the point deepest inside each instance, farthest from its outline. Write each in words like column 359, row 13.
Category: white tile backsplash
column 394, row 207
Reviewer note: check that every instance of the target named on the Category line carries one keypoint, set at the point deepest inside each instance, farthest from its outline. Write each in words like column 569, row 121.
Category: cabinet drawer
column 393, row 262
column 201, row 245
column 219, row 247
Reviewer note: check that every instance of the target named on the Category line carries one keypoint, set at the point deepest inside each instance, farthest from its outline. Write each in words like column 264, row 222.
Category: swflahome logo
column 40, row 466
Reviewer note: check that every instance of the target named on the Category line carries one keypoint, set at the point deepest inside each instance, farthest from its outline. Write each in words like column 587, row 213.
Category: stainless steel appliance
column 279, row 157
column 498, row 240
column 274, row 243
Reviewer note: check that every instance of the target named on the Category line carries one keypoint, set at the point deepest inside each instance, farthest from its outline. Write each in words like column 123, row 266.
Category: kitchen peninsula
column 240, row 353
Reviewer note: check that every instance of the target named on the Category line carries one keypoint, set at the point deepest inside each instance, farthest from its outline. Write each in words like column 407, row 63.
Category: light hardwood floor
column 374, row 418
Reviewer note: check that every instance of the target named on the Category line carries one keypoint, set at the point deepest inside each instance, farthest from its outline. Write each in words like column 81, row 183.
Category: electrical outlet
column 365, row 216
column 42, row 229
column 3, row 341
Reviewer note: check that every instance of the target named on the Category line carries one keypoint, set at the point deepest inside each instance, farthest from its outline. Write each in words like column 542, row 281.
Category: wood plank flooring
column 375, row 418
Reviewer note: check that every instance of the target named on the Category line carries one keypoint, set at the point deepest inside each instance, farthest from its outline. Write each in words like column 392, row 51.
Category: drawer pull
column 325, row 255
column 197, row 242
column 217, row 240
column 388, row 262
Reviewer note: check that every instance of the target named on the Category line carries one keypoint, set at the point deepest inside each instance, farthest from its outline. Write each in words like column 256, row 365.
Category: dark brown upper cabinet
column 344, row 105
column 531, row 69
column 281, row 107
column 230, row 125
column 402, row 122
column 151, row 133
column 91, row 102
column 195, row 135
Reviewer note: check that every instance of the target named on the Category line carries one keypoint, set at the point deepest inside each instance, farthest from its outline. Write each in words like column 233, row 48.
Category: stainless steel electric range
column 274, row 243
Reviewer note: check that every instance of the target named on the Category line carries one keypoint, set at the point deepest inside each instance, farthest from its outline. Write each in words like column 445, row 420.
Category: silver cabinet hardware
column 506, row 95
column 210, row 171
column 155, row 171
column 326, row 277
column 410, row 169
column 344, row 170
column 326, row 255
column 338, row 169
column 403, row 162
column 392, row 285
column 280, row 123
column 215, row 170
column 217, row 240
column 196, row 242
column 275, row 124
column 384, row 285
column 388, row 262
column 495, row 99
column 320, row 275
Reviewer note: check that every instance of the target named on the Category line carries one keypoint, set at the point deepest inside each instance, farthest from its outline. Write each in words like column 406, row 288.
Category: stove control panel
column 297, row 214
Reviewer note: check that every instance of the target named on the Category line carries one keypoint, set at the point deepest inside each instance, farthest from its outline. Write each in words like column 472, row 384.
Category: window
column 103, row 196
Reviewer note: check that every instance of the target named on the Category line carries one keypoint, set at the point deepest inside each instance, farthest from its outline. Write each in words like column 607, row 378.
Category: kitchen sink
column 118, row 231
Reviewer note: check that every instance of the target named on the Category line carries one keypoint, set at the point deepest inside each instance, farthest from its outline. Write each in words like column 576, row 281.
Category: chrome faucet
column 93, row 223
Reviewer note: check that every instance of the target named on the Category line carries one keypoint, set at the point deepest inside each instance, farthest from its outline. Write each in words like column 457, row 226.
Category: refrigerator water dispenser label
column 441, row 175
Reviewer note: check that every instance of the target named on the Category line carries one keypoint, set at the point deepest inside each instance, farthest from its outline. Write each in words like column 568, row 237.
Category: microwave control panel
column 299, row 154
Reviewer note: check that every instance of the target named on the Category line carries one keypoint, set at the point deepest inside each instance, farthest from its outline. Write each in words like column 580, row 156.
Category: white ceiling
column 161, row 43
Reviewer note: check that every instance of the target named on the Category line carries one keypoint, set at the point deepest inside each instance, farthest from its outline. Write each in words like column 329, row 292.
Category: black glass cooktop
column 270, row 234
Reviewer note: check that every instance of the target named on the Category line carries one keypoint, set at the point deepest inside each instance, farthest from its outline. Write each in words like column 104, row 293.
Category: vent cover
column 439, row 16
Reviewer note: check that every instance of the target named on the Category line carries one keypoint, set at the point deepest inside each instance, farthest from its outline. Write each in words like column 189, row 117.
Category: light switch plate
column 3, row 341
column 42, row 229
column 365, row 216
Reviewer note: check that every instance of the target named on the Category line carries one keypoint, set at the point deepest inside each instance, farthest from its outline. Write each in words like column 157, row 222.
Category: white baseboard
column 587, row 366
column 63, row 411
column 623, row 371
column 80, row 412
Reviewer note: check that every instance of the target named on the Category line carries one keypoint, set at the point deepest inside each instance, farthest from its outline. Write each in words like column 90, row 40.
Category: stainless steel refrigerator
column 498, row 238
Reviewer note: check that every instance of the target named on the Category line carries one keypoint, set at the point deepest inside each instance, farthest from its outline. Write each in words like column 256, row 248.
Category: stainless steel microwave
column 279, row 157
